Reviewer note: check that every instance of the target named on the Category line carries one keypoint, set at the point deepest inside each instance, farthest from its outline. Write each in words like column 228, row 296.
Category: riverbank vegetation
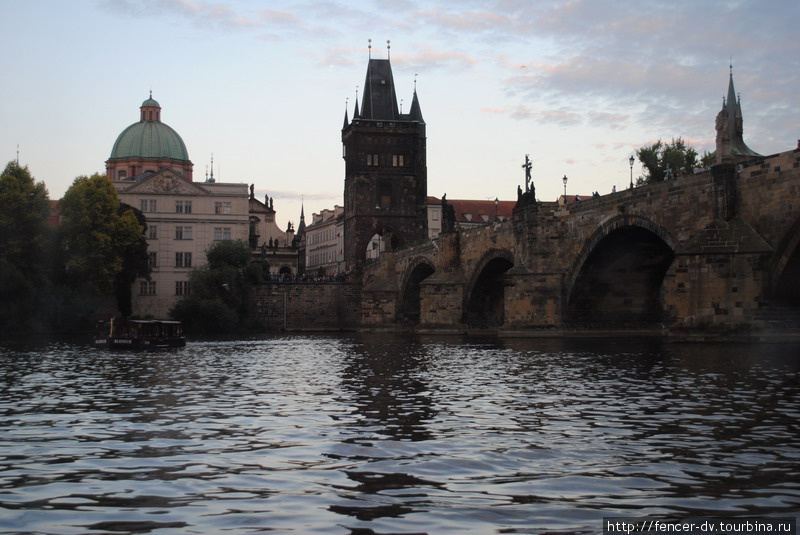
column 57, row 270
column 220, row 299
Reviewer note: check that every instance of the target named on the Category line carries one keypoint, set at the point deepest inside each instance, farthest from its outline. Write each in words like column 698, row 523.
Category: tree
column 708, row 159
column 660, row 158
column 24, row 208
column 98, row 236
column 220, row 291
column 134, row 263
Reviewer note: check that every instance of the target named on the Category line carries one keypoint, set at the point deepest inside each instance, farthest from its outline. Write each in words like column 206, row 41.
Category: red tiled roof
column 477, row 209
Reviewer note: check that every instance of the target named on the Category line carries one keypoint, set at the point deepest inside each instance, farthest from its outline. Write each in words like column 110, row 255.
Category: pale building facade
column 324, row 239
column 183, row 220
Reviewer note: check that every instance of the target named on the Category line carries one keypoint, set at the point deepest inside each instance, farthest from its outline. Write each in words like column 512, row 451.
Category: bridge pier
column 720, row 278
column 441, row 299
column 533, row 300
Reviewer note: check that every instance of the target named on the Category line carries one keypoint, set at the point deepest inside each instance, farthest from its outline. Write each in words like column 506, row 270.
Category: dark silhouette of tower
column 386, row 180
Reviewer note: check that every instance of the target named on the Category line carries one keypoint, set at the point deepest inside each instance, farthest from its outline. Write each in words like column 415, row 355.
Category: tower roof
column 379, row 101
column 416, row 112
column 732, row 111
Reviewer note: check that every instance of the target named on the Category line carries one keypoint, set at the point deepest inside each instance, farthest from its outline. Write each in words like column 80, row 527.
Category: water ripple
column 383, row 433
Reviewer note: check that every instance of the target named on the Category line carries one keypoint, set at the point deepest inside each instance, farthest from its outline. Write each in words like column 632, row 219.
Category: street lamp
column 631, row 160
column 564, row 180
column 496, row 202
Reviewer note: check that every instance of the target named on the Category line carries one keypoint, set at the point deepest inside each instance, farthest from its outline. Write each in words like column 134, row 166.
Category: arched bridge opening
column 786, row 288
column 409, row 312
column 485, row 300
column 619, row 283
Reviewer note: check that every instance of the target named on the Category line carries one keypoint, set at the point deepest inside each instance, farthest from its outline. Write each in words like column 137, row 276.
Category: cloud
column 428, row 58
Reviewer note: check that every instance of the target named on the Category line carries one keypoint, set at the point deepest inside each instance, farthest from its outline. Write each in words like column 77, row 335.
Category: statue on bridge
column 529, row 196
column 448, row 216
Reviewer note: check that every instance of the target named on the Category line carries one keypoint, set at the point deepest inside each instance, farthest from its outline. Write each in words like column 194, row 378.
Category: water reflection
column 385, row 433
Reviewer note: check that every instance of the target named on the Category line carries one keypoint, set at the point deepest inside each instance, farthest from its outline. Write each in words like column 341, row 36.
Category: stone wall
column 308, row 306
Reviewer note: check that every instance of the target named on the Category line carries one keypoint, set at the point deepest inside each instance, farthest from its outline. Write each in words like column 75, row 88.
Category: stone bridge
column 718, row 249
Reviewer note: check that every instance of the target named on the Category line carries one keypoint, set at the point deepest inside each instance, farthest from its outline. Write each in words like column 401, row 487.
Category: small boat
column 139, row 334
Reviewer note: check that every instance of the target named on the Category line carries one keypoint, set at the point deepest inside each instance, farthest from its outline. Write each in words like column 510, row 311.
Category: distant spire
column 388, row 49
column 416, row 112
column 301, row 228
column 346, row 120
column 211, row 178
column 730, row 142
column 356, row 112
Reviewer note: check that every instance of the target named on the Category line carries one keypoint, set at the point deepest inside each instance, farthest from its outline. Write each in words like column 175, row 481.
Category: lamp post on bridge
column 564, row 180
column 631, row 160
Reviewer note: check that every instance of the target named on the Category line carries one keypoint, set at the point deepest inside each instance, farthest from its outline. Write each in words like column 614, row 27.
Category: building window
column 182, row 288
column 183, row 260
column 147, row 288
column 148, row 205
column 152, row 232
column 222, row 233
column 183, row 207
column 372, row 160
column 183, row 233
column 152, row 258
column 397, row 160
column 222, row 208
column 122, row 174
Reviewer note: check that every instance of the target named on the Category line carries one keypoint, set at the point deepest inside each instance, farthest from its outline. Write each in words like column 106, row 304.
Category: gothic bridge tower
column 386, row 182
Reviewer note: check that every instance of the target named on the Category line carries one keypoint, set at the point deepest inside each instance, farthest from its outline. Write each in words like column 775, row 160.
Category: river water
column 396, row 434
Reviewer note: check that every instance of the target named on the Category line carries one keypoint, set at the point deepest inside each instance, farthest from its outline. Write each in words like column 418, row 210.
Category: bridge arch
column 785, row 272
column 420, row 268
column 618, row 273
column 484, row 294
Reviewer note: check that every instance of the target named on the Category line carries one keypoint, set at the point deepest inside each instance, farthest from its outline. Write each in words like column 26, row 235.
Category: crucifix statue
column 527, row 166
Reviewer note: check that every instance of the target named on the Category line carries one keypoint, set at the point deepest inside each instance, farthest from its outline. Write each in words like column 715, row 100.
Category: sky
column 263, row 86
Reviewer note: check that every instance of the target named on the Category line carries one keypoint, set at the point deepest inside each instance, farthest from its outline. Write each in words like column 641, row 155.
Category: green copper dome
column 149, row 139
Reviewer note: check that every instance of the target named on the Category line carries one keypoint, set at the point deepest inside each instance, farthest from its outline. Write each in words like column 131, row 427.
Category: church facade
column 151, row 170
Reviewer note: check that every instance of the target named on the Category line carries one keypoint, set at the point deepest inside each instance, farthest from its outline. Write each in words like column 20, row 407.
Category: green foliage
column 232, row 253
column 661, row 158
column 220, row 291
column 201, row 316
column 134, row 262
column 708, row 159
column 96, row 233
column 24, row 207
